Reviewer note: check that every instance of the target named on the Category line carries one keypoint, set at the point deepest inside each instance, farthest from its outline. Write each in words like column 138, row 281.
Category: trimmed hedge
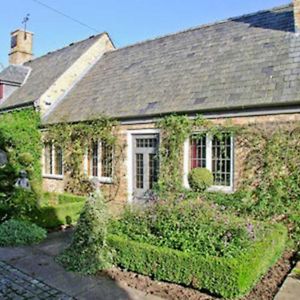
column 70, row 198
column 227, row 277
column 49, row 198
column 61, row 214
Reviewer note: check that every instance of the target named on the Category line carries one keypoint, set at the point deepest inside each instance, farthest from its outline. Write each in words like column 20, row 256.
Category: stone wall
column 119, row 191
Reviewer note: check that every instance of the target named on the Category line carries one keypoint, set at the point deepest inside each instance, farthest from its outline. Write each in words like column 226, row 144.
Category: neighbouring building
column 246, row 69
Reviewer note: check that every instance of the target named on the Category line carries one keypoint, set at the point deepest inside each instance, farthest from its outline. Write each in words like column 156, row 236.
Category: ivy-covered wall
column 20, row 137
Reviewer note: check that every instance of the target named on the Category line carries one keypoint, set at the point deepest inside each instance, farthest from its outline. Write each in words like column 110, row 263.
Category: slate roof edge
column 230, row 19
column 230, row 110
column 96, row 36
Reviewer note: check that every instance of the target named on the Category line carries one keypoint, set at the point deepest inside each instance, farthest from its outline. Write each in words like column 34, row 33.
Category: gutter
column 212, row 113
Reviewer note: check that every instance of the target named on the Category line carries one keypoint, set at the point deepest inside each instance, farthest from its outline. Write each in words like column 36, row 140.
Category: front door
column 145, row 165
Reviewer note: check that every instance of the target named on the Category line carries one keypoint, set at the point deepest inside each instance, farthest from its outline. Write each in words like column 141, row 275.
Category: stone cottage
column 246, row 69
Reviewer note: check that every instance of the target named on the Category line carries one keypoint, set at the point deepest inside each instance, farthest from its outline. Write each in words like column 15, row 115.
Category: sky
column 127, row 21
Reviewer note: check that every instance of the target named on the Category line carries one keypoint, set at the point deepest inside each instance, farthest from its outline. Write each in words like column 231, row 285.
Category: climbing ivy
column 75, row 139
column 174, row 130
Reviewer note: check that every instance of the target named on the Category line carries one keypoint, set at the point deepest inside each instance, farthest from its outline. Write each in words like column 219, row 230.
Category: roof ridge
column 70, row 45
column 200, row 27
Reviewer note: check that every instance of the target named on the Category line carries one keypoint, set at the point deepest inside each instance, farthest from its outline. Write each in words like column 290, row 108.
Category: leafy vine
column 75, row 140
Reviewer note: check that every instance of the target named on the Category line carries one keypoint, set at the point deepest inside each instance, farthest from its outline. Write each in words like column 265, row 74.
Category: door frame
column 129, row 162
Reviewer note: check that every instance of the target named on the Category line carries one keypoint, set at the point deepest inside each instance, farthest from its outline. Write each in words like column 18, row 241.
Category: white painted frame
column 101, row 179
column 51, row 176
column 129, row 161
column 186, row 164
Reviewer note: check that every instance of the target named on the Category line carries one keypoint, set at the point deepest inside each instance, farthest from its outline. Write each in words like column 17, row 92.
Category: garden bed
column 228, row 277
column 265, row 289
column 196, row 245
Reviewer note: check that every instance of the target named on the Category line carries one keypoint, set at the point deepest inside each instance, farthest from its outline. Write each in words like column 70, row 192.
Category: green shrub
column 200, row 179
column 70, row 198
column 17, row 233
column 57, row 215
column 227, row 277
column 21, row 204
column 49, row 199
column 88, row 252
column 189, row 226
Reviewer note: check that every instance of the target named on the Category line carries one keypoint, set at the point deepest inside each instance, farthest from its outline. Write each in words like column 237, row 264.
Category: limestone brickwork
column 119, row 191
column 21, row 47
column 72, row 75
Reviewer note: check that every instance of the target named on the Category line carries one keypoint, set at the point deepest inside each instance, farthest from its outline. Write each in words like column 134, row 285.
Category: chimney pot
column 21, row 47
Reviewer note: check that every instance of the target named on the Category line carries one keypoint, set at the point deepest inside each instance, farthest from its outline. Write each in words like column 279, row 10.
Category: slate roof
column 14, row 74
column 249, row 61
column 45, row 70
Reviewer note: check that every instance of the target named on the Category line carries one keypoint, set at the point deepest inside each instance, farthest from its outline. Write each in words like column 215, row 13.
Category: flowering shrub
column 190, row 227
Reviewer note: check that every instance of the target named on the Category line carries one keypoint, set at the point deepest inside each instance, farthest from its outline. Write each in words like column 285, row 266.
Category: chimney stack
column 20, row 47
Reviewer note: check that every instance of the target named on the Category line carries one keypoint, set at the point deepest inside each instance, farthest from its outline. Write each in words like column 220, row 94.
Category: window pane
column 198, row 152
column 95, row 159
column 48, row 163
column 106, row 160
column 221, row 160
column 58, row 161
column 139, row 171
column 153, row 168
column 146, row 143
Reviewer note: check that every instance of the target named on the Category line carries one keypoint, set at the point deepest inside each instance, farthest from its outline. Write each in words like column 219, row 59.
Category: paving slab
column 290, row 289
column 38, row 264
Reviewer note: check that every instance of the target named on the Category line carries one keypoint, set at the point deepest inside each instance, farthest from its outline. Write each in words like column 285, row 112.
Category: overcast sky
column 127, row 21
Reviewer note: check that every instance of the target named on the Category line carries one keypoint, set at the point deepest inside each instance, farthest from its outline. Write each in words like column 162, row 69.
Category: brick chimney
column 20, row 47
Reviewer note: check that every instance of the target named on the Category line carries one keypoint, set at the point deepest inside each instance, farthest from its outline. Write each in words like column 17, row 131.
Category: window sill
column 52, row 176
column 107, row 180
column 223, row 189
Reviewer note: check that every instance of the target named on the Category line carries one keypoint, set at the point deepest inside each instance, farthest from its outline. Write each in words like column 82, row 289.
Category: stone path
column 15, row 284
column 290, row 289
column 33, row 270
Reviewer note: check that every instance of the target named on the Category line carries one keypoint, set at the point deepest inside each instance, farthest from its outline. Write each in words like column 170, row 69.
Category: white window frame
column 53, row 176
column 101, row 178
column 186, row 163
column 129, row 161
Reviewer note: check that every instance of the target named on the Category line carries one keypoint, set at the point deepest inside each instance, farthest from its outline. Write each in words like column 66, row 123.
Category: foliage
column 270, row 189
column 53, row 199
column 53, row 216
column 200, row 179
column 21, row 204
column 174, row 130
column 75, row 140
column 88, row 252
column 16, row 233
column 20, row 137
column 228, row 277
column 189, row 226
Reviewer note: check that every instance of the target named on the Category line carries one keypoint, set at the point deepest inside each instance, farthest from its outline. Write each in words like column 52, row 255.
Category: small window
column 198, row 152
column 106, row 160
column 53, row 160
column 215, row 154
column 48, row 163
column 94, row 154
column 99, row 160
column 221, row 160
column 58, row 161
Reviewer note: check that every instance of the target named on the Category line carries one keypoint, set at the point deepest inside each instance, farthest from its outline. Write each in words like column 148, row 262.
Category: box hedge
column 227, row 277
column 57, row 215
